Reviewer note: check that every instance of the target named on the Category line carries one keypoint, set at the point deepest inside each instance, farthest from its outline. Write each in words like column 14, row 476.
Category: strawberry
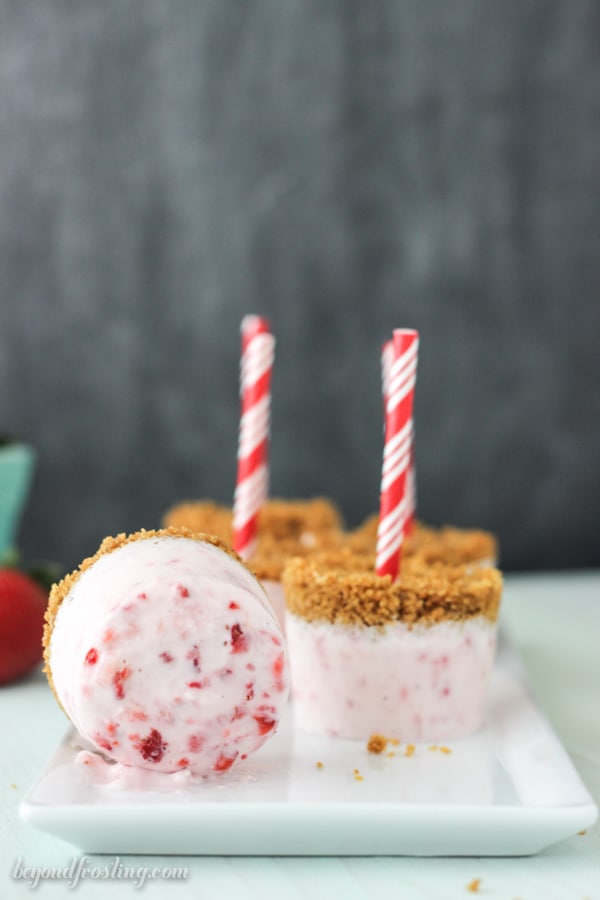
column 22, row 605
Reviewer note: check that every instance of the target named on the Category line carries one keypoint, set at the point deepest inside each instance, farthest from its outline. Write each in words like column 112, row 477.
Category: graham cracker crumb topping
column 205, row 516
column 342, row 588
column 450, row 545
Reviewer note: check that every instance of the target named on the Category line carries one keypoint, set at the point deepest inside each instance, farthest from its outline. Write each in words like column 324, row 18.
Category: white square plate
column 509, row 790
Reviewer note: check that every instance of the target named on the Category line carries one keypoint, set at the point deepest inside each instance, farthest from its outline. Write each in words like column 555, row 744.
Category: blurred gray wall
column 344, row 168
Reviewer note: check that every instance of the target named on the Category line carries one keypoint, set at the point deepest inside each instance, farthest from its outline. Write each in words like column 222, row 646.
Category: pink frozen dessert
column 409, row 659
column 165, row 653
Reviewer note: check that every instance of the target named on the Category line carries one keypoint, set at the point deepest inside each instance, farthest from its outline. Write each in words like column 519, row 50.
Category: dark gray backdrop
column 343, row 167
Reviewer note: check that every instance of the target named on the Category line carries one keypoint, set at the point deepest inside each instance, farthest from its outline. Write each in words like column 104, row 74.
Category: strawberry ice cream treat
column 286, row 528
column 408, row 658
column 165, row 653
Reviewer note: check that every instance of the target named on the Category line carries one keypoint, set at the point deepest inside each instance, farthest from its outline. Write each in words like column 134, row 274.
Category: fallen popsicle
column 165, row 653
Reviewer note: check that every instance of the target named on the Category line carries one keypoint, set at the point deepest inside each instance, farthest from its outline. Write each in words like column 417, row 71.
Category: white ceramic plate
column 509, row 790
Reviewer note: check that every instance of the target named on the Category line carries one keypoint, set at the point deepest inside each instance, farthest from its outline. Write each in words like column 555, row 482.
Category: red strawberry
column 22, row 605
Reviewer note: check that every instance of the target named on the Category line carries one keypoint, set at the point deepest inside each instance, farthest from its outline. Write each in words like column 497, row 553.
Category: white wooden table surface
column 553, row 619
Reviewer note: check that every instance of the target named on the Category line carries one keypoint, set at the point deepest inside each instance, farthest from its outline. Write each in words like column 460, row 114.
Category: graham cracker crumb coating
column 62, row 588
column 343, row 588
column 203, row 517
column 449, row 545
column 272, row 554
column 286, row 528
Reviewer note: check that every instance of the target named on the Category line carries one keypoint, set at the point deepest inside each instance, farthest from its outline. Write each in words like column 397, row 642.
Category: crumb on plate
column 377, row 743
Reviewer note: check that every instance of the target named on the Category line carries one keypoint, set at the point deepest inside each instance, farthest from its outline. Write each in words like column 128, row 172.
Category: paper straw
column 387, row 359
column 252, row 487
column 397, row 451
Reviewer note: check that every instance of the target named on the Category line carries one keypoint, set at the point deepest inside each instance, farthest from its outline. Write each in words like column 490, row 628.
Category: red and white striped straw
column 252, row 488
column 387, row 359
column 397, row 451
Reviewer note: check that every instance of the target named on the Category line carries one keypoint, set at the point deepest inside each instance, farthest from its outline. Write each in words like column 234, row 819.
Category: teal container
column 16, row 472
